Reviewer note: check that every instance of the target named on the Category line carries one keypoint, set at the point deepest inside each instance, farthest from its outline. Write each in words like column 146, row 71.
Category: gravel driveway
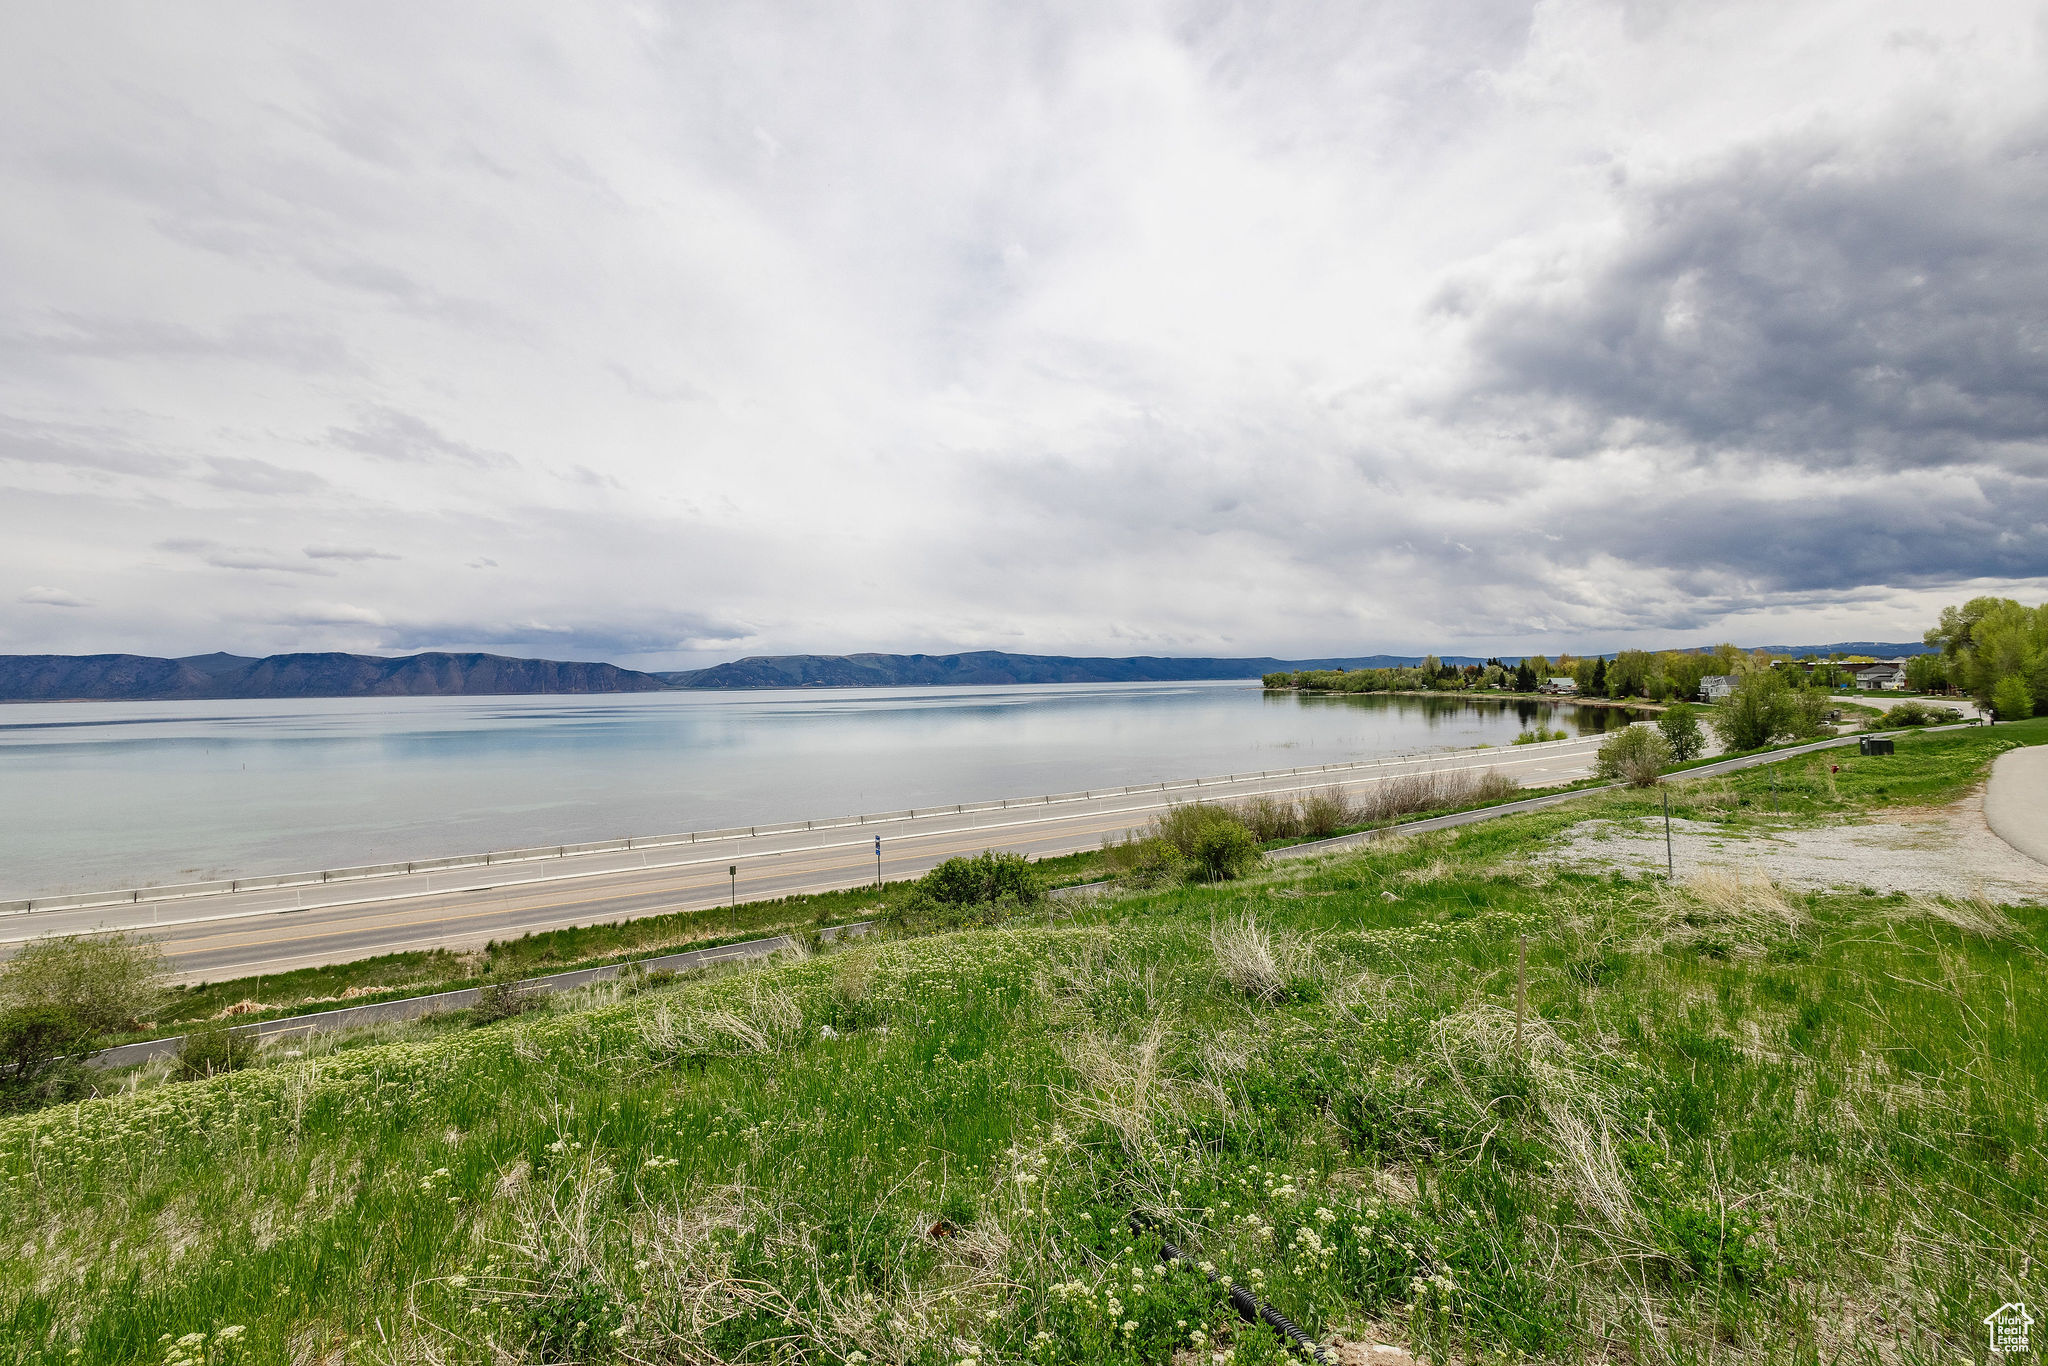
column 1928, row 851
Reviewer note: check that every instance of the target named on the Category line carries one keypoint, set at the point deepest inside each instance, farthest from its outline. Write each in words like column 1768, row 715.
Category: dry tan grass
column 1122, row 1086
column 1742, row 911
column 1977, row 915
column 765, row 1020
column 1256, row 962
column 693, row 1286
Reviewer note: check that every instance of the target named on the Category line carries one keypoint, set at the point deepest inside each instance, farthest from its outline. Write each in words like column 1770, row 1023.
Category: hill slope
column 993, row 667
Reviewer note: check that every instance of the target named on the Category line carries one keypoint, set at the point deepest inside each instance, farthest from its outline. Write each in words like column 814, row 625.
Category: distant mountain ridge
column 984, row 667
column 1882, row 649
column 142, row 678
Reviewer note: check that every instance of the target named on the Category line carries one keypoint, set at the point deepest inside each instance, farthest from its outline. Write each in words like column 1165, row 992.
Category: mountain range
column 120, row 677
column 49, row 678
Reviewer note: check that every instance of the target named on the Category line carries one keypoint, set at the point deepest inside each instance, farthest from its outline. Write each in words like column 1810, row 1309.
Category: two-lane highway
column 236, row 934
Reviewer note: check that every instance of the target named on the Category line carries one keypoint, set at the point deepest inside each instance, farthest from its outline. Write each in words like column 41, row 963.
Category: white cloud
column 1124, row 327
column 41, row 596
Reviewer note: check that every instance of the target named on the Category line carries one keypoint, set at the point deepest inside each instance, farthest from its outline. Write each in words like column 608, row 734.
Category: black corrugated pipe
column 1250, row 1307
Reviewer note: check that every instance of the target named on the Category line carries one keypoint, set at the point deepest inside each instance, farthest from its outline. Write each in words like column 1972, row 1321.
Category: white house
column 1886, row 675
column 1558, row 685
column 1716, row 686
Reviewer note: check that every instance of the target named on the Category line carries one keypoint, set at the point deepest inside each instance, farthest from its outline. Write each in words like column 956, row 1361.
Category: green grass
column 1812, row 1134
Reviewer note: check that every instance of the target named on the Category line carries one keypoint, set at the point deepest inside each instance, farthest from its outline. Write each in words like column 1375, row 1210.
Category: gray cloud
column 79, row 446
column 389, row 434
column 1838, row 304
column 355, row 554
column 241, row 557
column 292, row 343
column 259, row 476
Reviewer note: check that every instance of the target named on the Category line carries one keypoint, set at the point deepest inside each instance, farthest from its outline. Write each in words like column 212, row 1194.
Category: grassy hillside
column 1736, row 1124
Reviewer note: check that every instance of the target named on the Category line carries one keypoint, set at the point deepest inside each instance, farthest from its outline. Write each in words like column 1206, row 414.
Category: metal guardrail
column 263, row 882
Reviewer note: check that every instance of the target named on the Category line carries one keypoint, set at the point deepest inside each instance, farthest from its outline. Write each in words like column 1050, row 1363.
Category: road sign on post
column 878, row 860
column 733, row 871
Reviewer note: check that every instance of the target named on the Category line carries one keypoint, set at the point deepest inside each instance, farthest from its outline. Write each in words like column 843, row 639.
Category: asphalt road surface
column 2016, row 800
column 239, row 934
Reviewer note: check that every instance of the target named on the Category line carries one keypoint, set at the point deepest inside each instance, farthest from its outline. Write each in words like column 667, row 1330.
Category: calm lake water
column 109, row 794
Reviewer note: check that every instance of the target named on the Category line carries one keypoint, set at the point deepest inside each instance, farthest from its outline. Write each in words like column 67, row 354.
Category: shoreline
column 1573, row 699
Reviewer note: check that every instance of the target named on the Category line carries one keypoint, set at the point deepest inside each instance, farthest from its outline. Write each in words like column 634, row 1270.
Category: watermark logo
column 2008, row 1327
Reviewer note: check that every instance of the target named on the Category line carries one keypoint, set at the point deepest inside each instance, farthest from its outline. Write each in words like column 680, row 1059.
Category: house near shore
column 1714, row 687
column 1887, row 675
column 1558, row 685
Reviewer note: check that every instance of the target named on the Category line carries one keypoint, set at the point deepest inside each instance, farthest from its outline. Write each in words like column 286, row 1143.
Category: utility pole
column 733, row 871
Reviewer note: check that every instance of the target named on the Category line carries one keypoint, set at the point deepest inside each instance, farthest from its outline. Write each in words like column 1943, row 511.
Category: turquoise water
column 112, row 794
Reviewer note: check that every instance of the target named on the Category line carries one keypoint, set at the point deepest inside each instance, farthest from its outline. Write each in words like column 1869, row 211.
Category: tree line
column 1653, row 675
column 1996, row 650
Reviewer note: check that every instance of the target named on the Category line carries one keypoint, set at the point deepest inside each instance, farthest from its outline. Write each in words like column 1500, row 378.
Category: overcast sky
column 666, row 334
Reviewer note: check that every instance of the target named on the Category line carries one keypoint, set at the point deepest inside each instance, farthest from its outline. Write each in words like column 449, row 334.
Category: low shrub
column 1325, row 813
column 1539, row 735
column 1680, row 727
column 1270, row 818
column 213, row 1049
column 1436, row 790
column 1143, row 861
column 982, row 890
column 36, row 1068
column 497, row 1001
column 1212, row 841
column 1635, row 754
column 1907, row 714
column 1225, row 851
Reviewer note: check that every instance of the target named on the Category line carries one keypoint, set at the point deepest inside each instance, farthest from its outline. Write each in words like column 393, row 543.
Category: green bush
column 1224, row 852
column 1539, row 735
column 497, row 1001
column 1758, row 711
column 1634, row 754
column 1213, row 842
column 1270, row 818
column 2012, row 699
column 1916, row 714
column 1809, row 713
column 1680, row 727
column 1145, row 861
column 213, row 1049
column 1325, row 813
column 35, row 1066
column 982, row 890
column 59, row 997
